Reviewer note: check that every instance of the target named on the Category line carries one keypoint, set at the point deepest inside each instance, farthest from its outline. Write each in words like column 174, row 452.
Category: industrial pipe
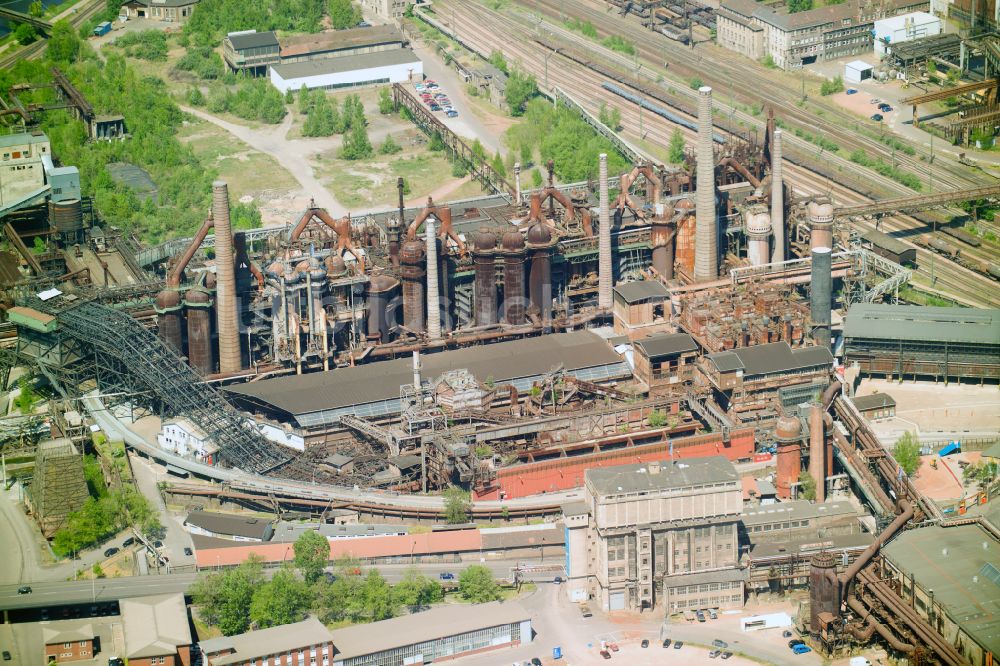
column 848, row 576
column 174, row 277
column 873, row 625
column 604, row 263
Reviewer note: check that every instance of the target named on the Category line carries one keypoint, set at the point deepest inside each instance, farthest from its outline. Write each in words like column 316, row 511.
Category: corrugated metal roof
column 349, row 63
column 922, row 323
column 772, row 358
column 873, row 401
column 221, row 523
column 340, row 39
column 796, row 510
column 666, row 344
column 503, row 361
column 887, row 242
column 440, row 622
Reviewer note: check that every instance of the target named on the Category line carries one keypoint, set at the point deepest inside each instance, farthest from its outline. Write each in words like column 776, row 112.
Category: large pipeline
column 863, row 635
column 604, row 277
column 848, row 576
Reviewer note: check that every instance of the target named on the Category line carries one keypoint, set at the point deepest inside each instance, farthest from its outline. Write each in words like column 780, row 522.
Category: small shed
column 876, row 406
column 857, row 71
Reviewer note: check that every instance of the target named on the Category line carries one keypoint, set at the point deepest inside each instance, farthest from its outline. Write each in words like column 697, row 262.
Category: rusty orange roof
column 339, row 39
column 362, row 548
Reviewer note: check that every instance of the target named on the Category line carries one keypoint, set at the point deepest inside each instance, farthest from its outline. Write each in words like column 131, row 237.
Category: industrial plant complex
column 745, row 394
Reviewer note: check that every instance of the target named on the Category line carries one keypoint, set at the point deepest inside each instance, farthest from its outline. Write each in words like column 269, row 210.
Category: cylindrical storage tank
column 411, row 258
column 821, row 295
column 820, row 224
column 540, row 275
column 201, row 354
column 824, row 589
column 66, row 217
column 788, row 437
column 484, row 246
column 758, row 234
column 380, row 290
column 513, row 277
column 170, row 319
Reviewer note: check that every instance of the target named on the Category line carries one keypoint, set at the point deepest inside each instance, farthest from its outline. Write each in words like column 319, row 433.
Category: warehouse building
column 800, row 519
column 923, row 342
column 444, row 632
column 657, row 534
column 372, row 390
column 339, row 43
column 353, row 71
column 951, row 576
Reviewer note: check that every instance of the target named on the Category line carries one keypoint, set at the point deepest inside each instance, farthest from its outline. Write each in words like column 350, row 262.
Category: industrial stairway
column 148, row 365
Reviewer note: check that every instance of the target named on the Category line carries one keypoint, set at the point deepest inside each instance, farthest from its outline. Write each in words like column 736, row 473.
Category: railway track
column 35, row 49
column 479, row 28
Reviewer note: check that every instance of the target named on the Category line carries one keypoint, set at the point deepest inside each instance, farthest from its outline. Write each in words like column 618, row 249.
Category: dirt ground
column 945, row 482
column 930, row 407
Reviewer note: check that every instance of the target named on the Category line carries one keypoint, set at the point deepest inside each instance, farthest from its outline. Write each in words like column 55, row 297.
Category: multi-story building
column 386, row 9
column 250, row 51
column 159, row 10
column 22, row 172
column 789, row 521
column 658, row 534
column 157, row 630
column 298, row 644
column 802, row 38
column 666, row 359
column 70, row 640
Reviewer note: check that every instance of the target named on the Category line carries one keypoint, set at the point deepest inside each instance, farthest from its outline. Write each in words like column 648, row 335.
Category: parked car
column 605, row 654
column 128, row 542
column 6, row 655
column 885, row 108
column 714, row 653
column 786, row 634
column 666, row 642
column 792, row 643
column 801, row 649
column 188, row 551
column 535, row 661
column 727, row 655
column 720, row 644
column 852, row 91
column 157, row 544
column 700, row 616
column 445, row 575
column 110, row 551
column 645, row 643
column 712, row 615
column 585, row 611
column 557, row 580
column 877, row 117
column 613, row 647
column 115, row 661
column 451, row 114
column 678, row 645
column 24, row 589
column 874, row 100
column 44, row 614
column 435, row 107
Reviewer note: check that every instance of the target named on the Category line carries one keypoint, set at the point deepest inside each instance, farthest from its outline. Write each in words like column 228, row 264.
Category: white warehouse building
column 896, row 29
column 352, row 71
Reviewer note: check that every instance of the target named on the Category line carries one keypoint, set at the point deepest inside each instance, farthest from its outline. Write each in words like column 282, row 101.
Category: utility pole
column 930, row 169
column 641, row 133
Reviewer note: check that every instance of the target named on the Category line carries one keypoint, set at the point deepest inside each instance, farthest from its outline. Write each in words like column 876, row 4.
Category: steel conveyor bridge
column 912, row 204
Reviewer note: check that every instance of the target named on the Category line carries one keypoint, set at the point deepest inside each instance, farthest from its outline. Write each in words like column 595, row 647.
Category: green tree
column 64, row 43
column 798, row 5
column 415, row 589
column 657, row 419
column 36, row 9
column 676, row 153
column 389, row 146
column 26, row 399
column 225, row 598
column 456, row 506
column 25, row 34
column 385, row 103
column 768, row 60
column 282, row 600
column 807, row 486
column 312, row 553
column 321, row 120
column 97, row 570
column 498, row 60
column 195, row 97
column 476, row 584
column 436, row 143
column 305, row 99
column 343, row 14
column 907, row 453
column 376, row 596
column 695, row 83
column 612, row 117
column 520, row 89
column 356, row 144
column 931, row 67
column 289, row 96
column 498, row 165
column 832, row 87
column 536, row 178
column 527, row 153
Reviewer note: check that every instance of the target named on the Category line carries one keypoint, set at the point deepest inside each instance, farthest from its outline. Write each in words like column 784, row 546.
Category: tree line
column 243, row 598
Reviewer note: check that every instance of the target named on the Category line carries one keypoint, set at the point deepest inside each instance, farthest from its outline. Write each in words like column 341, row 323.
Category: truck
column 102, row 29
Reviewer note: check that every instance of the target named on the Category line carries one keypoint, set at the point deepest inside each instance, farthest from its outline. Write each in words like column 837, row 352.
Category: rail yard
column 647, row 394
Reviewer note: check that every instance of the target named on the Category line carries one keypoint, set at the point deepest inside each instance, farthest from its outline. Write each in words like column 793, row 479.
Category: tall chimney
column 433, row 295
column 416, row 369
column 517, row 183
column 817, row 462
column 604, row 267
column 777, row 201
column 225, row 294
column 821, row 296
column 706, row 253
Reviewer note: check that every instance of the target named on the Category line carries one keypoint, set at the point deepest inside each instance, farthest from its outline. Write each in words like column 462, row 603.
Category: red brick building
column 306, row 643
column 72, row 640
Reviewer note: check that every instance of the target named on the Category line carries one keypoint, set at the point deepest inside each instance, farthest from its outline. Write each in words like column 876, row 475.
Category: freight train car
column 889, row 247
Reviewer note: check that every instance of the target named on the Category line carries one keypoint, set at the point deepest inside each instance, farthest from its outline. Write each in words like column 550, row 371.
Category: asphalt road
column 104, row 590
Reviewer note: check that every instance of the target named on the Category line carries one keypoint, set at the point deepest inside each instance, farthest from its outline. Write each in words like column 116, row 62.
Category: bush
column 25, row 34
column 907, row 453
column 385, row 103
column 859, row 156
column 254, row 99
column 195, row 97
column 620, row 44
column 458, row 169
column 389, row 146
column 832, row 87
column 356, row 144
column 215, row 18
column 498, row 60
column 145, row 45
column 695, row 83
column 520, row 89
column 203, row 62
column 586, row 28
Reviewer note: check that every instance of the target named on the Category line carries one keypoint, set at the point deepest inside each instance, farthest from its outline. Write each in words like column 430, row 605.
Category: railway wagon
column 962, row 235
column 889, row 247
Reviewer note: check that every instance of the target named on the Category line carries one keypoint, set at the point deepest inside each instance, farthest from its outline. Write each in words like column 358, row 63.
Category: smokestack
column 817, row 462
column 517, row 183
column 706, row 254
column 433, row 296
column 416, row 369
column 777, row 201
column 604, row 267
column 759, row 226
column 821, row 296
column 225, row 294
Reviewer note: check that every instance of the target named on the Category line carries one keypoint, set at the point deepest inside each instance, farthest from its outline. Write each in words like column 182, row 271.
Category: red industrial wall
column 567, row 473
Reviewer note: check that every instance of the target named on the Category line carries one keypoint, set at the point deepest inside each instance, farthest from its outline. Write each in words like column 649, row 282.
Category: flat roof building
column 953, row 575
column 229, row 526
column 923, row 342
column 443, row 632
column 339, row 43
column 349, row 71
